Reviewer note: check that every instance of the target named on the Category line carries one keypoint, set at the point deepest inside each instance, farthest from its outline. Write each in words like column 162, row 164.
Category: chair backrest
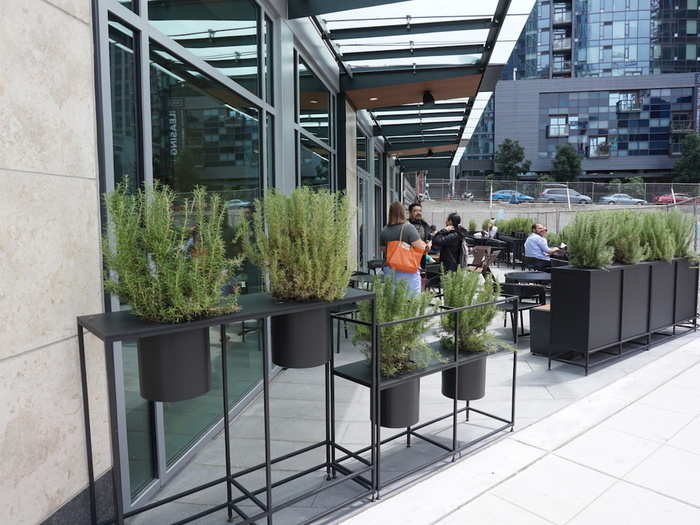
column 491, row 259
column 480, row 253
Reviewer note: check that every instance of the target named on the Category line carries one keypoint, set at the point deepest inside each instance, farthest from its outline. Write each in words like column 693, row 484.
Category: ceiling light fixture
column 312, row 101
column 373, row 99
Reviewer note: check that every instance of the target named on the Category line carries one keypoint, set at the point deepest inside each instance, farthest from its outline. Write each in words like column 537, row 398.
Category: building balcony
column 562, row 18
column 626, row 106
column 561, row 44
column 561, row 130
column 561, row 68
column 682, row 126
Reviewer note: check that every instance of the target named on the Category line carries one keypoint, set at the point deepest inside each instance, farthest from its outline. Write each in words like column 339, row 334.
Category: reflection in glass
column 270, row 123
column 125, row 130
column 361, row 150
column 314, row 164
column 186, row 421
column 125, row 137
column 314, row 103
column 224, row 34
column 204, row 134
column 269, row 62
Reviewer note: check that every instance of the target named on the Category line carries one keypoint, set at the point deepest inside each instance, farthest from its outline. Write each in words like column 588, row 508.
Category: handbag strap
column 401, row 232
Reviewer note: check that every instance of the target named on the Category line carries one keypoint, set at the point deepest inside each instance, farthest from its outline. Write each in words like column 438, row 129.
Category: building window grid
column 594, row 118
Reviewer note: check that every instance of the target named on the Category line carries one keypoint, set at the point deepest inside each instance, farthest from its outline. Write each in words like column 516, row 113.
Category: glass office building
column 600, row 39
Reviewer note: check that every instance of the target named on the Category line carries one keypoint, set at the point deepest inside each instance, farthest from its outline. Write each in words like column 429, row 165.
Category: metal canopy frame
column 379, row 48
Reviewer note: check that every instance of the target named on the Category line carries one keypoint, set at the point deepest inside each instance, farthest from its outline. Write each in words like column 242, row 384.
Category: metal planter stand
column 122, row 326
column 368, row 374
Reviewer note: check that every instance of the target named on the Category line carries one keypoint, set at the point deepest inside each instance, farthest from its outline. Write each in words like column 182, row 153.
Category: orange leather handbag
column 401, row 256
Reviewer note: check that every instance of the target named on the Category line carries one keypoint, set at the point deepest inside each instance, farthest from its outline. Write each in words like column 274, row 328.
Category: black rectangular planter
column 686, row 290
column 635, row 300
column 586, row 307
column 662, row 294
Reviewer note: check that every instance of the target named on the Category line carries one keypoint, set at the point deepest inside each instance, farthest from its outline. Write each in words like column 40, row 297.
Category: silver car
column 559, row 195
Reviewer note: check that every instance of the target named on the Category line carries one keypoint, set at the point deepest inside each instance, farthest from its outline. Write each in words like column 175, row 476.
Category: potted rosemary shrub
column 661, row 250
column 301, row 241
column 586, row 296
column 401, row 348
column 464, row 288
column 680, row 226
column 170, row 267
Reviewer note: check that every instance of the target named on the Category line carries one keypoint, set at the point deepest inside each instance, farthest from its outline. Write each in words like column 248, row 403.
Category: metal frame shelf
column 123, row 326
column 368, row 374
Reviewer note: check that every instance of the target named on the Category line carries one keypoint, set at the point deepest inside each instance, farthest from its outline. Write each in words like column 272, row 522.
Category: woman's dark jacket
column 450, row 244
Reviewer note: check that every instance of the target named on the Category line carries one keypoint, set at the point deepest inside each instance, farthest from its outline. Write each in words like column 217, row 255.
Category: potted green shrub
column 586, row 297
column 464, row 288
column 402, row 349
column 301, row 242
column 681, row 228
column 661, row 250
column 170, row 267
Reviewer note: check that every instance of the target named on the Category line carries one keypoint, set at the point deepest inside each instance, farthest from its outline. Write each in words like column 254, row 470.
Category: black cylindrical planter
column 400, row 405
column 300, row 340
column 175, row 367
column 471, row 381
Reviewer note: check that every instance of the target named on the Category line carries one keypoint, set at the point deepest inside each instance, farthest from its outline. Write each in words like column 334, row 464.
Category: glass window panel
column 691, row 27
column 691, row 51
column 361, row 150
column 314, row 103
column 269, row 62
column 129, row 4
column 187, row 108
column 224, row 34
column 270, row 161
column 125, row 137
column 314, row 164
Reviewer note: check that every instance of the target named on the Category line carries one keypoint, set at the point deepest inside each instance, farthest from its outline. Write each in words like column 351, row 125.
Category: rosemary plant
column 402, row 346
column 680, row 227
column 588, row 238
column 626, row 241
column 301, row 240
column 169, row 266
column 660, row 241
column 464, row 288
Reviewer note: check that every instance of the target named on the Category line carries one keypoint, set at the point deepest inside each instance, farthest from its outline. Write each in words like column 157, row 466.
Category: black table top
column 121, row 326
column 528, row 277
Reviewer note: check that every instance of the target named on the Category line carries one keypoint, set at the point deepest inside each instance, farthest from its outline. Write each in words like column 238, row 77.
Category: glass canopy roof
column 439, row 44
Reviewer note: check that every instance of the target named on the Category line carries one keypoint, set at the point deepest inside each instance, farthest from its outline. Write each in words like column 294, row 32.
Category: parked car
column 668, row 198
column 559, row 195
column 621, row 198
column 236, row 203
column 514, row 197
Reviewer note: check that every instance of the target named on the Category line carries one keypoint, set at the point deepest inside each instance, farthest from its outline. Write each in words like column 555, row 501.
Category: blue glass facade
column 603, row 38
column 602, row 124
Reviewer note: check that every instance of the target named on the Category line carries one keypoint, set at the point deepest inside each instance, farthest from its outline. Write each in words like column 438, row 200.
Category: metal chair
column 529, row 296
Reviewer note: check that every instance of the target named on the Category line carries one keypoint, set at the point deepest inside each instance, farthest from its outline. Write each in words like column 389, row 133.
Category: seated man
column 537, row 249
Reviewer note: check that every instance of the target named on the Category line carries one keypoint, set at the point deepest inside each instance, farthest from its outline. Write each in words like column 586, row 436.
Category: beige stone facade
column 49, row 256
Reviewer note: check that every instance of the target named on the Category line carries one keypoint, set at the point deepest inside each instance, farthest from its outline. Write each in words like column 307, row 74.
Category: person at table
column 449, row 241
column 398, row 228
column 538, row 250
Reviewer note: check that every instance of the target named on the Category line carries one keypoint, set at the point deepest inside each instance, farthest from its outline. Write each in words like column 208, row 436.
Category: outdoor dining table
column 543, row 278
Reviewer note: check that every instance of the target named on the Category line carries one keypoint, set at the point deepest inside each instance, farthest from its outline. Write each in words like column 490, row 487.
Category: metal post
column 456, row 386
column 374, row 394
column 86, row 419
column 227, row 444
column 328, row 371
column 266, row 410
column 331, row 393
column 114, row 429
column 376, row 350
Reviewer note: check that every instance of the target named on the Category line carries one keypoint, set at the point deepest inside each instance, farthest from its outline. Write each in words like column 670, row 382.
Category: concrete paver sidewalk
column 627, row 453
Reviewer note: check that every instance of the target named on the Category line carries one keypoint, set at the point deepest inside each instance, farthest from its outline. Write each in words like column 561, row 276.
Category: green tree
column 687, row 168
column 566, row 165
column 545, row 178
column 510, row 159
column 635, row 186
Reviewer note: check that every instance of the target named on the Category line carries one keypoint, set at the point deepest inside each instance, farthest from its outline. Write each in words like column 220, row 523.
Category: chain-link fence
column 546, row 192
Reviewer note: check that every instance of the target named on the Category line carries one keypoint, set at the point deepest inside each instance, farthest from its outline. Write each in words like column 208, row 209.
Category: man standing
column 537, row 249
column 415, row 217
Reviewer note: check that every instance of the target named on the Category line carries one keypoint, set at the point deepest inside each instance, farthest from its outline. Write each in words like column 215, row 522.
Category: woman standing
column 399, row 229
column 449, row 241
